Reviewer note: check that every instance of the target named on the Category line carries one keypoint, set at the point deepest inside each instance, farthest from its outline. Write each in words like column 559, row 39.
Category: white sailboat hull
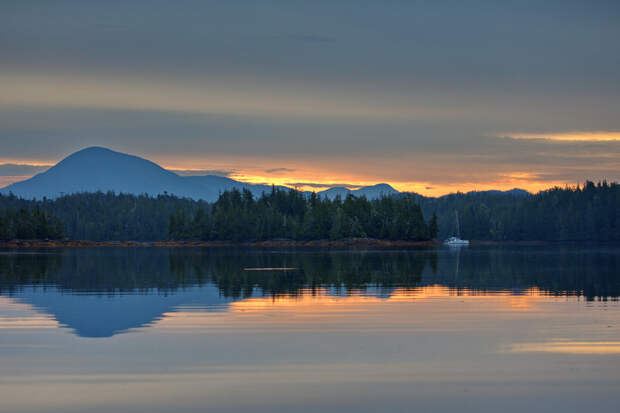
column 456, row 241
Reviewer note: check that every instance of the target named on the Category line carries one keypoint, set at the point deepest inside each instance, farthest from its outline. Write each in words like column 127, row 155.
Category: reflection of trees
column 346, row 270
column 141, row 270
column 94, row 270
column 29, row 268
column 340, row 269
column 559, row 271
column 590, row 273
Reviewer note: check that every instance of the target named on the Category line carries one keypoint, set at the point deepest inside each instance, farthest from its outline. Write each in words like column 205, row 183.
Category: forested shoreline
column 590, row 212
column 237, row 216
column 26, row 223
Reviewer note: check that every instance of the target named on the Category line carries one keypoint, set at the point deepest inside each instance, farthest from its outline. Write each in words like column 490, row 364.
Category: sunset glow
column 318, row 103
column 320, row 176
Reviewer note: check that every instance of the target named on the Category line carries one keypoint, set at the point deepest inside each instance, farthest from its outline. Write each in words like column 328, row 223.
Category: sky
column 429, row 96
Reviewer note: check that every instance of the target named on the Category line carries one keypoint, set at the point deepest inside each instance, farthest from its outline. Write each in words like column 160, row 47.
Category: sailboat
column 456, row 240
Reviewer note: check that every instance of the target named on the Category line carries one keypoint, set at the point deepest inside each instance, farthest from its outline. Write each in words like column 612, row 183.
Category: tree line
column 105, row 216
column 29, row 224
column 289, row 214
column 588, row 212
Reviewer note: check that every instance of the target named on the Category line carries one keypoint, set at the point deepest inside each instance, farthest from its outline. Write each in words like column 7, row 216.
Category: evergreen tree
column 433, row 227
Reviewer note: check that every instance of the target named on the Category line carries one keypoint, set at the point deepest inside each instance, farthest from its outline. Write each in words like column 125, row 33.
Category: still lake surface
column 482, row 329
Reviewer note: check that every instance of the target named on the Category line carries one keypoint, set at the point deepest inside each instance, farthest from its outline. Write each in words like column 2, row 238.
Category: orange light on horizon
column 318, row 176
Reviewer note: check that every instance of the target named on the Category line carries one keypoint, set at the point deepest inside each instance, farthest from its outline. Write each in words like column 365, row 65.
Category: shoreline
column 185, row 244
column 353, row 242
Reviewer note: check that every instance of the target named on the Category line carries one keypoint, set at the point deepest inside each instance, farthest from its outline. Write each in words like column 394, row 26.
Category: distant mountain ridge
column 370, row 192
column 100, row 169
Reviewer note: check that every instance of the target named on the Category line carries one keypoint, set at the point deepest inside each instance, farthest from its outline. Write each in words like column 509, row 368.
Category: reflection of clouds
column 443, row 308
column 570, row 136
column 34, row 322
column 321, row 310
column 568, row 347
column 17, row 315
column 320, row 300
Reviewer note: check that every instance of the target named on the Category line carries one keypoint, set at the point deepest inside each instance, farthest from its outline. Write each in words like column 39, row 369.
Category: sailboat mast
column 458, row 227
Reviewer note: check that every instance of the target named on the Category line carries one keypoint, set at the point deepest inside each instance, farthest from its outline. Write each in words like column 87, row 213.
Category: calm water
column 482, row 329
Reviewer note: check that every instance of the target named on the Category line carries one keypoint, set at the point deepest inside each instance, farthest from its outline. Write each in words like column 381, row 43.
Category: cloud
column 321, row 185
column 323, row 88
column 279, row 170
column 202, row 172
column 11, row 169
column 215, row 95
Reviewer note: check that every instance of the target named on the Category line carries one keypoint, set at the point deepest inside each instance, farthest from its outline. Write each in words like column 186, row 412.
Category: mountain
column 514, row 192
column 217, row 184
column 370, row 192
column 334, row 192
column 375, row 191
column 100, row 169
column 106, row 315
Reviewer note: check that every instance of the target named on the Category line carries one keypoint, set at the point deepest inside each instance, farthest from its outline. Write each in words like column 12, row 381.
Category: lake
column 480, row 328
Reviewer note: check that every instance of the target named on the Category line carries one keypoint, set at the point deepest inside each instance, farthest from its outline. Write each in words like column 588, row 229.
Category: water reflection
column 103, row 292
column 484, row 329
column 568, row 347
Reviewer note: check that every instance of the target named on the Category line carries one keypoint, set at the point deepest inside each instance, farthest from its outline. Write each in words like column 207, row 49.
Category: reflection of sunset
column 320, row 300
column 317, row 307
column 568, row 347
column 598, row 136
column 27, row 322
column 23, row 317
column 428, row 309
